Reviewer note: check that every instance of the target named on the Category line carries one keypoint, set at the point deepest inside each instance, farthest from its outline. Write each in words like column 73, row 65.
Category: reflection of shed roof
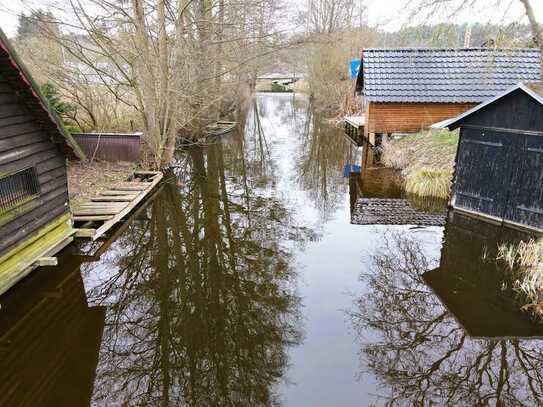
column 429, row 75
column 19, row 78
column 392, row 211
column 533, row 89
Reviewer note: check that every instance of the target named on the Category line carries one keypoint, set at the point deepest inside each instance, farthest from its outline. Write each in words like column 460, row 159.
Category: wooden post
column 369, row 146
column 47, row 261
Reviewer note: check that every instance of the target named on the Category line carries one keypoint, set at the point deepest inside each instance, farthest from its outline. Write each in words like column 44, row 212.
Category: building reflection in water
column 387, row 184
column 49, row 339
column 469, row 344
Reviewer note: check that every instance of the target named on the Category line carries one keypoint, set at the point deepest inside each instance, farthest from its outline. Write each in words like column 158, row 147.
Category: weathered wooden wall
column 409, row 117
column 111, row 147
column 516, row 111
column 499, row 165
column 24, row 143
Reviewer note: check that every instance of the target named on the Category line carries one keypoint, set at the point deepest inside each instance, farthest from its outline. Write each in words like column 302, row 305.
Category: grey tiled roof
column 465, row 75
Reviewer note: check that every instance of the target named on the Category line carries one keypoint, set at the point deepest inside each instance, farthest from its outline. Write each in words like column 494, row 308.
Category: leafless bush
column 162, row 65
column 328, row 68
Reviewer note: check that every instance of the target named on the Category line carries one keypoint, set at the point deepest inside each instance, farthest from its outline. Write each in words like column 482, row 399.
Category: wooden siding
column 483, row 172
column 24, row 143
column 112, row 147
column 516, row 111
column 500, row 175
column 409, row 117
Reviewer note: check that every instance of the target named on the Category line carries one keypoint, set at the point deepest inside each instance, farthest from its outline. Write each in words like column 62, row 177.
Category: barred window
column 18, row 188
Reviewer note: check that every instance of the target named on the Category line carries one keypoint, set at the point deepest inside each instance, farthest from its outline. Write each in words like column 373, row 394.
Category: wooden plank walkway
column 94, row 251
column 111, row 206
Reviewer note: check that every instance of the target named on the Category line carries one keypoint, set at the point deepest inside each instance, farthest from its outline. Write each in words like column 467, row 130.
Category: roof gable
column 532, row 89
column 31, row 96
column 464, row 75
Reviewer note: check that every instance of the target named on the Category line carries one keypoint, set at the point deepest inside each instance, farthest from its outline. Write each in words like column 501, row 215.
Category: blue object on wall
column 355, row 68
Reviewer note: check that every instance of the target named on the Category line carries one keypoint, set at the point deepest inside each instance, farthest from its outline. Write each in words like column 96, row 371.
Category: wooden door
column 525, row 205
column 483, row 171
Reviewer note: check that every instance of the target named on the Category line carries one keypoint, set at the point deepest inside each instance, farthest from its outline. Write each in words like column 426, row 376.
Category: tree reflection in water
column 419, row 352
column 205, row 301
column 324, row 153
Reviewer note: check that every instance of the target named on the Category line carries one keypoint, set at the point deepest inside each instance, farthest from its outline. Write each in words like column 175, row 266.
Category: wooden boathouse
column 35, row 220
column 406, row 90
column 499, row 162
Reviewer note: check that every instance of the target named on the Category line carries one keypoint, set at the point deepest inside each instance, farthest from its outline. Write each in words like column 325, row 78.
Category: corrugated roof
column 13, row 69
column 464, row 75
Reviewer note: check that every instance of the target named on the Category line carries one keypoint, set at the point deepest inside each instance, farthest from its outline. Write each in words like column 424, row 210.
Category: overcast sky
column 389, row 14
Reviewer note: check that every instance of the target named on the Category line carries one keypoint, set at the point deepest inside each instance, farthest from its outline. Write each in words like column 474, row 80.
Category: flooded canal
column 244, row 283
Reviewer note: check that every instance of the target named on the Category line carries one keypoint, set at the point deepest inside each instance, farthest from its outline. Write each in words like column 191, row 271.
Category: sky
column 390, row 15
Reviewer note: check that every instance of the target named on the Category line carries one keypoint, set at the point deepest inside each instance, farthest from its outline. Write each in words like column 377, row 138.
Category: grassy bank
column 426, row 160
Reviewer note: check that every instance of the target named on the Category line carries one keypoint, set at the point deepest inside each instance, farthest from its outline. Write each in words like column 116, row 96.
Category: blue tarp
column 350, row 168
column 355, row 67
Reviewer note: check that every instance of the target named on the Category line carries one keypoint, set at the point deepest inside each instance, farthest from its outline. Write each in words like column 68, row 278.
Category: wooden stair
column 109, row 207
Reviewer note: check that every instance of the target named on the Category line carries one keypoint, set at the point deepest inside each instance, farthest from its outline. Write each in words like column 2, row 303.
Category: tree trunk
column 537, row 31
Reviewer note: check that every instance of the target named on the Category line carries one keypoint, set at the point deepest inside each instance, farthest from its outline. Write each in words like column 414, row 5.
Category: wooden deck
column 354, row 128
column 356, row 121
column 107, row 209
column 36, row 251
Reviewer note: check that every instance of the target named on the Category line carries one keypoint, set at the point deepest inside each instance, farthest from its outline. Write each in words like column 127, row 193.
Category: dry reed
column 429, row 182
column 524, row 261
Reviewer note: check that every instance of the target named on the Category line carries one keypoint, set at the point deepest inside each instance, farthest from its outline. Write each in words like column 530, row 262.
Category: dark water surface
column 243, row 283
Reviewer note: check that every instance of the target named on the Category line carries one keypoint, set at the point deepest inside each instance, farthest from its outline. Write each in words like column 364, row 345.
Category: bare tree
column 328, row 16
column 454, row 7
column 170, row 62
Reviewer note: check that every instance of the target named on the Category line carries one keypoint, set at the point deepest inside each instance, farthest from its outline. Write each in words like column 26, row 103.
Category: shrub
column 328, row 71
column 394, row 154
column 63, row 109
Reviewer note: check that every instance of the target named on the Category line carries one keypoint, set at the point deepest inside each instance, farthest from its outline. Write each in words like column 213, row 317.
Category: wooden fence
column 111, row 147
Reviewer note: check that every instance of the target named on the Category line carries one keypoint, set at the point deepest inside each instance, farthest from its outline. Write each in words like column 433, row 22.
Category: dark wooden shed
column 34, row 212
column 499, row 162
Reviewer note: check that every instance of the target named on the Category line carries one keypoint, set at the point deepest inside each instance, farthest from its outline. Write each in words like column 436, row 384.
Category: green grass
column 432, row 138
column 426, row 160
column 444, row 138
